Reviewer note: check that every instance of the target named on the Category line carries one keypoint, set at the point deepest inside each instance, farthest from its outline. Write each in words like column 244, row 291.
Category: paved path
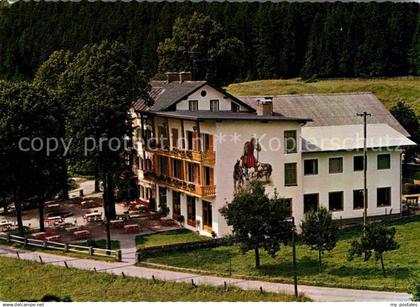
column 127, row 267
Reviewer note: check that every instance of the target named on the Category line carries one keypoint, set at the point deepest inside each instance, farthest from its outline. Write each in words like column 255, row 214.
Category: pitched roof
column 173, row 92
column 166, row 94
column 332, row 109
column 350, row 137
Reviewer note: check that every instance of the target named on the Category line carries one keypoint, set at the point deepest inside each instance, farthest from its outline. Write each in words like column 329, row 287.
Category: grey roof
column 224, row 115
column 173, row 92
column 350, row 137
column 332, row 109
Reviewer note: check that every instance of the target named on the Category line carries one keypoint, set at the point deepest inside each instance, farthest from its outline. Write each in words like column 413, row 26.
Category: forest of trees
column 280, row 40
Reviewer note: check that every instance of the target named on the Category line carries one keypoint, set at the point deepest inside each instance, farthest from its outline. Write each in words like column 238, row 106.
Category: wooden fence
column 65, row 247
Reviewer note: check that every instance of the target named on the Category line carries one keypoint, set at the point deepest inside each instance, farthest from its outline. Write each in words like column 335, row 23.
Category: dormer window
column 234, row 107
column 214, row 105
column 193, row 105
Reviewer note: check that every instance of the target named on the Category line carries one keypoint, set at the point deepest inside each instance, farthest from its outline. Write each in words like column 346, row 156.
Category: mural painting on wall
column 249, row 167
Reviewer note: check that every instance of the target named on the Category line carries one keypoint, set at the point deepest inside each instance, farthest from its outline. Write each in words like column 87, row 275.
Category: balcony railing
column 187, row 187
column 205, row 157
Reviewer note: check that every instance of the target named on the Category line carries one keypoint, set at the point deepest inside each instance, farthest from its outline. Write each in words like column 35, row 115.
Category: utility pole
column 294, row 258
column 365, row 195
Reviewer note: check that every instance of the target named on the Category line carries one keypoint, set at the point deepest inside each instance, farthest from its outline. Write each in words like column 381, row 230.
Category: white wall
column 227, row 153
column 349, row 180
column 204, row 102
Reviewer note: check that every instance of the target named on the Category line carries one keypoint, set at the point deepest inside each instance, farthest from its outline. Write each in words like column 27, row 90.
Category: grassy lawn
column 403, row 265
column 387, row 90
column 169, row 237
column 31, row 281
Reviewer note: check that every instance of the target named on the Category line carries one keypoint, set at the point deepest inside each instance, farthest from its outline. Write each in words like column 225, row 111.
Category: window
column 142, row 192
column 162, row 197
column 358, row 199
column 335, row 201
column 193, row 172
column 163, row 165
column 177, row 169
column 207, row 214
column 290, row 176
column 208, row 175
column 141, row 164
column 336, row 165
column 203, row 93
column 310, row 202
column 289, row 204
column 176, row 202
column 290, row 141
column 358, row 162
column 384, row 161
column 383, row 197
column 207, row 142
column 311, row 167
column 234, row 107
column 163, row 137
column 191, row 210
column 148, row 164
column 175, row 138
column 190, row 140
column 214, row 105
column 193, row 105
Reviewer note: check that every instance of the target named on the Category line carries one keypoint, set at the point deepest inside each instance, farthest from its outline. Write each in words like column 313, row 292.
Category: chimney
column 171, row 76
column 265, row 106
column 185, row 76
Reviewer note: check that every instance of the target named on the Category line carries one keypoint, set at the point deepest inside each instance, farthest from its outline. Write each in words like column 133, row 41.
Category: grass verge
column 37, row 280
column 403, row 265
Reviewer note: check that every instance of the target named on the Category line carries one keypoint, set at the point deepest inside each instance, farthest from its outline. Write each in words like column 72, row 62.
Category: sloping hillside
column 389, row 91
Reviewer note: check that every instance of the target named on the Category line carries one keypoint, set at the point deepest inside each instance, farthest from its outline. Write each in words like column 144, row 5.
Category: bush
column 143, row 253
column 415, row 291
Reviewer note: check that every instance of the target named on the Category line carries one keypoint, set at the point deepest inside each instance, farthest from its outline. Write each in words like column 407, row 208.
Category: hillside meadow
column 389, row 91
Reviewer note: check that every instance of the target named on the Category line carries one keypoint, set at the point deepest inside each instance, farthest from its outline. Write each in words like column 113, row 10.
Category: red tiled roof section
column 155, row 92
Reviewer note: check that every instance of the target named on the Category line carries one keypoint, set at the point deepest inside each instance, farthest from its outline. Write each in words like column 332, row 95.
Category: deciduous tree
column 319, row 231
column 376, row 240
column 258, row 221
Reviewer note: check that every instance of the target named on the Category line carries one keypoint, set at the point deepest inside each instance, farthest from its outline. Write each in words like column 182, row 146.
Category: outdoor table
column 5, row 225
column 134, row 214
column 92, row 217
column 132, row 228
column 54, row 219
column 56, row 238
column 72, row 228
column 53, row 206
column 39, row 235
column 81, row 234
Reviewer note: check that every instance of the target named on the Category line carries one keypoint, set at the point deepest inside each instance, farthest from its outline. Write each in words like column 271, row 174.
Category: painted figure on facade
column 249, row 167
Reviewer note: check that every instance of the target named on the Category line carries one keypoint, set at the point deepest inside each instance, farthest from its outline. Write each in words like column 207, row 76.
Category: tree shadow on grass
column 306, row 266
column 368, row 272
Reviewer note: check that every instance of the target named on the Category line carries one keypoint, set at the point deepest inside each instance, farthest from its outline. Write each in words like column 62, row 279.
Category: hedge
column 147, row 252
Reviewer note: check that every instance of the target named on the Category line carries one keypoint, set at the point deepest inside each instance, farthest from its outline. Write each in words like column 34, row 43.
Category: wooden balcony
column 204, row 157
column 180, row 185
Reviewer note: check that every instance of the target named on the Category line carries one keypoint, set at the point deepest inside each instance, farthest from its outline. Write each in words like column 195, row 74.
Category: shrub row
column 152, row 251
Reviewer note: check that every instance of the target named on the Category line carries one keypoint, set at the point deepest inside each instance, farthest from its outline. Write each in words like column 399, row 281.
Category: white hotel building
column 203, row 143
